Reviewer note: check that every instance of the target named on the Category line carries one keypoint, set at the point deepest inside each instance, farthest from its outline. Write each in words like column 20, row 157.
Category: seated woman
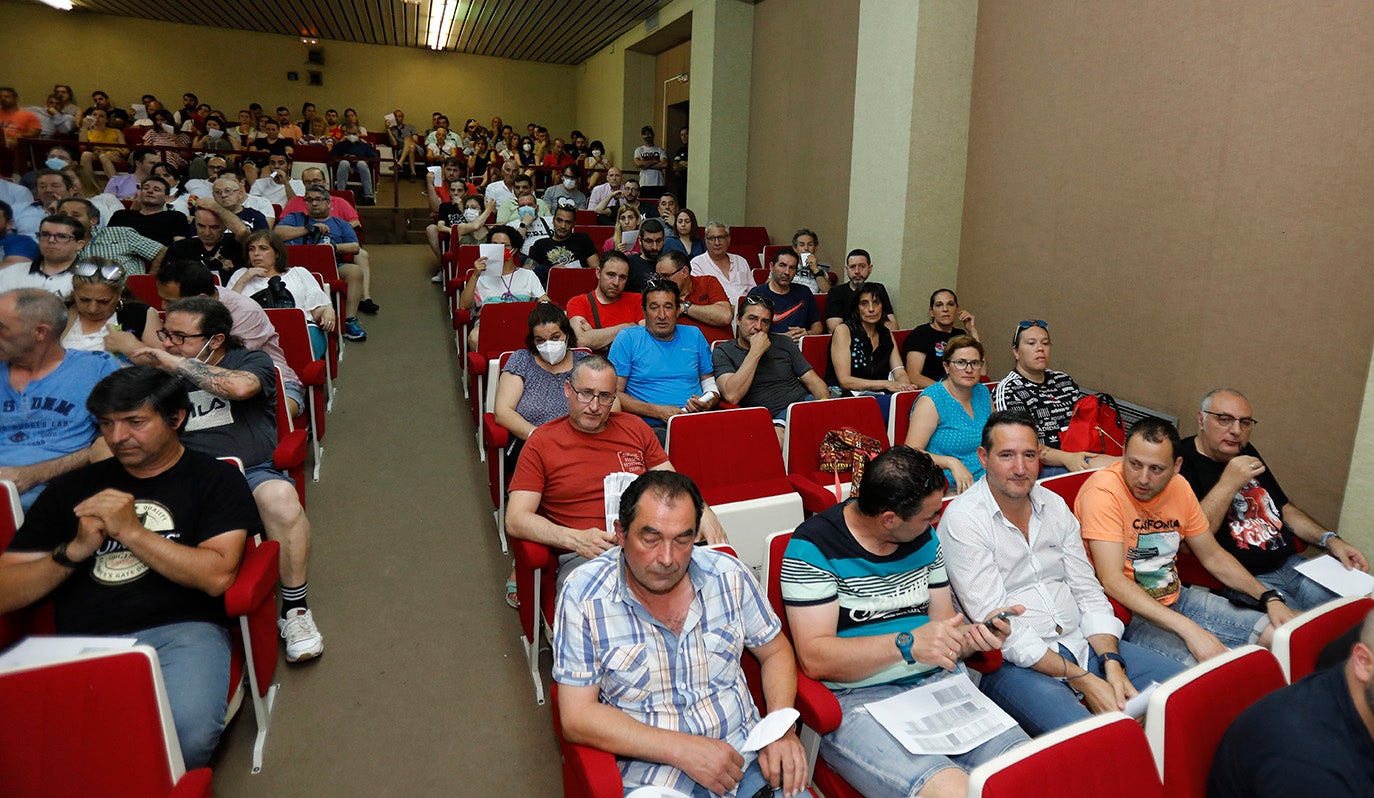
column 947, row 422
column 863, row 354
column 266, row 257
column 98, row 297
column 511, row 284
column 163, row 133
column 1047, row 396
column 480, row 157
column 924, row 347
column 530, row 390
column 595, row 164
column 626, row 219
column 444, row 146
column 102, row 139
column 689, row 234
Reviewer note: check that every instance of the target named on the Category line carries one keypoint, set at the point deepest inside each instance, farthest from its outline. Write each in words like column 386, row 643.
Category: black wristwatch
column 1112, row 656
column 1268, row 596
column 59, row 556
column 904, row 641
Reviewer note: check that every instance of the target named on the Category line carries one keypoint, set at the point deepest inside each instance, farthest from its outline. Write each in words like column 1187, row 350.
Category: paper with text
column 943, row 716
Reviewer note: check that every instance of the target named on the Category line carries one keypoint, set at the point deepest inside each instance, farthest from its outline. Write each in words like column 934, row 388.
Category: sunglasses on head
column 1026, row 324
column 109, row 272
column 755, row 299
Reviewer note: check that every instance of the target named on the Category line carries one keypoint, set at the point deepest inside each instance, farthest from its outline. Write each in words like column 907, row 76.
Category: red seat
column 319, row 258
column 770, row 251
column 598, row 233
column 346, row 193
column 1189, row 713
column 820, row 305
column 752, row 254
column 761, row 275
column 144, row 289
column 310, row 153
column 807, row 423
column 754, row 237
column 899, row 338
column 293, row 333
column 816, row 350
column 502, row 328
column 1053, row 763
column 1068, row 485
column 293, row 445
column 584, row 220
column 899, row 415
column 1298, row 643
column 564, row 284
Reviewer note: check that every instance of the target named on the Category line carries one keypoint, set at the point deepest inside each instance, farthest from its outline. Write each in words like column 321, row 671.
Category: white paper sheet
column 770, row 729
column 495, row 255
column 629, row 237
column 657, row 792
column 58, row 648
column 390, row 119
column 1328, row 572
column 140, row 111
column 612, row 486
column 436, row 175
column 1135, row 707
column 944, row 716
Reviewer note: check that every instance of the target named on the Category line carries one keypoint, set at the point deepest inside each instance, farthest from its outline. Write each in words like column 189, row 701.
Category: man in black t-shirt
column 839, row 301
column 566, row 248
column 143, row 545
column 1249, row 513
column 233, row 414
column 211, row 247
column 150, row 217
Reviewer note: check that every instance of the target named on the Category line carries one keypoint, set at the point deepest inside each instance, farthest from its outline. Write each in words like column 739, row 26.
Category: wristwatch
column 686, row 306
column 1112, row 656
column 1268, row 596
column 904, row 641
column 1324, row 542
column 59, row 556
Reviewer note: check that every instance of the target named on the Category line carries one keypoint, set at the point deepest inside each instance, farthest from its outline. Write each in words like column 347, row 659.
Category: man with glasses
column 759, row 368
column 704, row 304
column 228, row 193
column 734, row 272
column 566, row 248
column 220, row 253
column 1248, row 513
column 599, row 316
column 136, row 253
column 320, row 227
column 557, row 494
column 652, row 238
column 205, row 187
column 794, row 306
column 45, row 429
column 60, row 240
column 663, row 369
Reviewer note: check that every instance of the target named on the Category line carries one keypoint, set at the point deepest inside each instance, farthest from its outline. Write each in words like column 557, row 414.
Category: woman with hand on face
column 626, row 219
column 863, row 353
column 266, row 256
column 924, row 349
column 510, row 284
column 98, row 287
column 947, row 422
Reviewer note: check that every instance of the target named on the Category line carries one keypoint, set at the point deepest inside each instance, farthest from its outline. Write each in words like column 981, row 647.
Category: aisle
column 420, row 690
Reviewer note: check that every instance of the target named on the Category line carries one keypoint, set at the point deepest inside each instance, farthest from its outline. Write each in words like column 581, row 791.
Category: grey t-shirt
column 777, row 379
column 245, row 429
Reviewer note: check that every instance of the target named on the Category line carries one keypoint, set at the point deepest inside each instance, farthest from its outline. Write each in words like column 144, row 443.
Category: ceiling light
column 60, row 5
column 309, row 40
column 442, row 14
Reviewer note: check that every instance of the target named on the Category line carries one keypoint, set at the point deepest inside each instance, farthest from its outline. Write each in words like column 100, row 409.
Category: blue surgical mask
column 56, row 163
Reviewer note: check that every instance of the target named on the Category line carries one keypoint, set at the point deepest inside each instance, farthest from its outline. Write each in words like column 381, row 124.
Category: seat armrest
column 291, row 450
column 256, row 579
column 530, row 555
column 819, row 709
column 498, row 437
column 596, row 771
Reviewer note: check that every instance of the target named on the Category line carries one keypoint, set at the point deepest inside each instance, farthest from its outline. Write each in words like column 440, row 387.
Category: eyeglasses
column 177, row 338
column 755, row 299
column 61, row 238
column 1026, row 324
column 110, row 272
column 1226, row 420
column 965, row 365
column 725, row 237
column 586, row 397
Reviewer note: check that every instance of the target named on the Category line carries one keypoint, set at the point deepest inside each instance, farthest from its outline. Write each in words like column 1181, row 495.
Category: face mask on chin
column 352, row 137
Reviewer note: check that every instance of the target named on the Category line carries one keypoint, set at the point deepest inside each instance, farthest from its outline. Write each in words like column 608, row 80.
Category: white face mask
column 352, row 137
column 471, row 214
column 569, row 183
column 215, row 133
column 168, row 128
column 201, row 352
column 526, row 147
column 552, row 351
column 596, row 153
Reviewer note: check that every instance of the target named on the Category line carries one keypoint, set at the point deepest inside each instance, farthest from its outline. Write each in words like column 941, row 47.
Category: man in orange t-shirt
column 1134, row 515
column 15, row 122
column 704, row 302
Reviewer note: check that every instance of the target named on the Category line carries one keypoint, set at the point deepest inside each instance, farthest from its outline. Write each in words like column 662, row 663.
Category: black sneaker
column 368, row 306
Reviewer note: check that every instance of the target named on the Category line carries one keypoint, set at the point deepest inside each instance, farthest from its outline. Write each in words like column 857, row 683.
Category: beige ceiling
column 555, row 31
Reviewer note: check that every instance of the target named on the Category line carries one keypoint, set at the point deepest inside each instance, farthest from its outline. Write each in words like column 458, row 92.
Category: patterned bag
column 847, row 449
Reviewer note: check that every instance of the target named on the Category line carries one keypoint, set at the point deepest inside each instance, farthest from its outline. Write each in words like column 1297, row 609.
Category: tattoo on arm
column 209, row 378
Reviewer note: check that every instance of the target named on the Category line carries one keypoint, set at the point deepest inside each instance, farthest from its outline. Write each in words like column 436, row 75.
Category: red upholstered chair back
column 1058, row 759
column 807, row 423
column 816, row 350
column 1067, row 485
column 732, row 455
column 315, row 258
column 1298, row 643
column 503, row 327
column 899, row 415
column 564, row 284
column 144, row 289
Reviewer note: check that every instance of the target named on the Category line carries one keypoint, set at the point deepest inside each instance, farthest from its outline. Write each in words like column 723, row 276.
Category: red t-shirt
column 567, row 467
column 338, row 206
column 707, row 290
column 628, row 309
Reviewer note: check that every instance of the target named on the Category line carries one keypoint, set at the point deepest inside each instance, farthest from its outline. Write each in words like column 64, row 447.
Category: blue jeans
column 1234, row 626
column 874, row 763
column 749, row 784
column 194, row 659
column 1042, row 703
column 364, row 175
column 1299, row 592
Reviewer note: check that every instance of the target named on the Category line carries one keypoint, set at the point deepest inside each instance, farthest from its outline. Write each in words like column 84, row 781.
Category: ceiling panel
column 553, row 31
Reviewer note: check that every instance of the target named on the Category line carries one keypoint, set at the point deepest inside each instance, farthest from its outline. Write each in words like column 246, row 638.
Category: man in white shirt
column 650, row 158
column 504, row 189
column 276, row 186
column 1009, row 541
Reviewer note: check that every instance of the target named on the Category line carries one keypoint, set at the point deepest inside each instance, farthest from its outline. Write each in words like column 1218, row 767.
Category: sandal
column 511, row 599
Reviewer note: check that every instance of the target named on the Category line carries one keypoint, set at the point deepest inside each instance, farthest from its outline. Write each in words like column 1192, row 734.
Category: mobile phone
column 1004, row 615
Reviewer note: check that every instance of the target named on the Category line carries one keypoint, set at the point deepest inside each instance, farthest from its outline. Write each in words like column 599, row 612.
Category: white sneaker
column 303, row 640
column 437, row 278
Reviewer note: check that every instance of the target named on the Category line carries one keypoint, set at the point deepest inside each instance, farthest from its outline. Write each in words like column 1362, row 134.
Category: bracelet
column 1271, row 595
column 1067, row 679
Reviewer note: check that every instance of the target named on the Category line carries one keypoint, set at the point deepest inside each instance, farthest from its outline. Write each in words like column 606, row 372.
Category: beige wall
column 230, row 68
column 668, row 64
column 1183, row 190
column 801, row 107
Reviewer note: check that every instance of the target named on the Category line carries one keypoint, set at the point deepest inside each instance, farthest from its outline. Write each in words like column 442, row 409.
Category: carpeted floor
column 421, row 689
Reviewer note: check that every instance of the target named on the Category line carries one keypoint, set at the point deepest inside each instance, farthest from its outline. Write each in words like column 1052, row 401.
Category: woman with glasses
column 530, row 390
column 266, row 257
column 626, row 220
column 924, row 348
column 1047, row 396
column 98, row 297
column 863, row 354
column 689, row 234
column 947, row 422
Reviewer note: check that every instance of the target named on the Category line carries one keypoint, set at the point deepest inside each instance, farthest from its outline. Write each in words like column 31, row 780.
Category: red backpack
column 1095, row 427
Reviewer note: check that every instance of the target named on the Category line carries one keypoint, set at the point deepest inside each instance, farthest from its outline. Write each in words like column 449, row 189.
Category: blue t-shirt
column 340, row 232
column 958, row 434
column 16, row 244
column 48, row 419
column 661, row 372
column 796, row 308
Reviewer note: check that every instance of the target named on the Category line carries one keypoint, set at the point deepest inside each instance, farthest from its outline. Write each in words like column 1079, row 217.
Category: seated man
column 210, row 247
column 202, row 187
column 233, row 393
column 354, row 157
column 1134, row 515
column 704, row 304
column 406, row 143
column 255, row 212
column 141, row 162
column 149, row 216
column 736, row 274
column 1314, row 737
column 565, row 248
column 530, row 223
column 872, row 616
column 643, row 264
column 606, row 197
column 794, row 306
column 567, row 190
column 45, row 430
column 840, row 301
column 758, row 368
column 122, row 245
column 275, row 184
column 143, row 545
column 1248, row 513
column 503, row 190
column 557, row 494
column 810, row 271
column 340, row 207
column 598, row 317
column 507, row 211
column 60, row 242
column 675, row 714
column 663, row 369
column 446, row 199
column 14, row 247
column 322, row 228
column 51, row 187
column 1009, row 541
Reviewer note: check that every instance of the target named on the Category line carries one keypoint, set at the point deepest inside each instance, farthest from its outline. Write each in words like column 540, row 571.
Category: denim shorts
column 263, row 473
column 1234, row 626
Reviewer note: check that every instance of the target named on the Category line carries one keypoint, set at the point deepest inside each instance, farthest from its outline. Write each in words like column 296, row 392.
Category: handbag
column 847, row 449
column 275, row 295
column 1095, row 427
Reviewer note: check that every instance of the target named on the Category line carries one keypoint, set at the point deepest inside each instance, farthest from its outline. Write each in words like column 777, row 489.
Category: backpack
column 1095, row 427
column 847, row 449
